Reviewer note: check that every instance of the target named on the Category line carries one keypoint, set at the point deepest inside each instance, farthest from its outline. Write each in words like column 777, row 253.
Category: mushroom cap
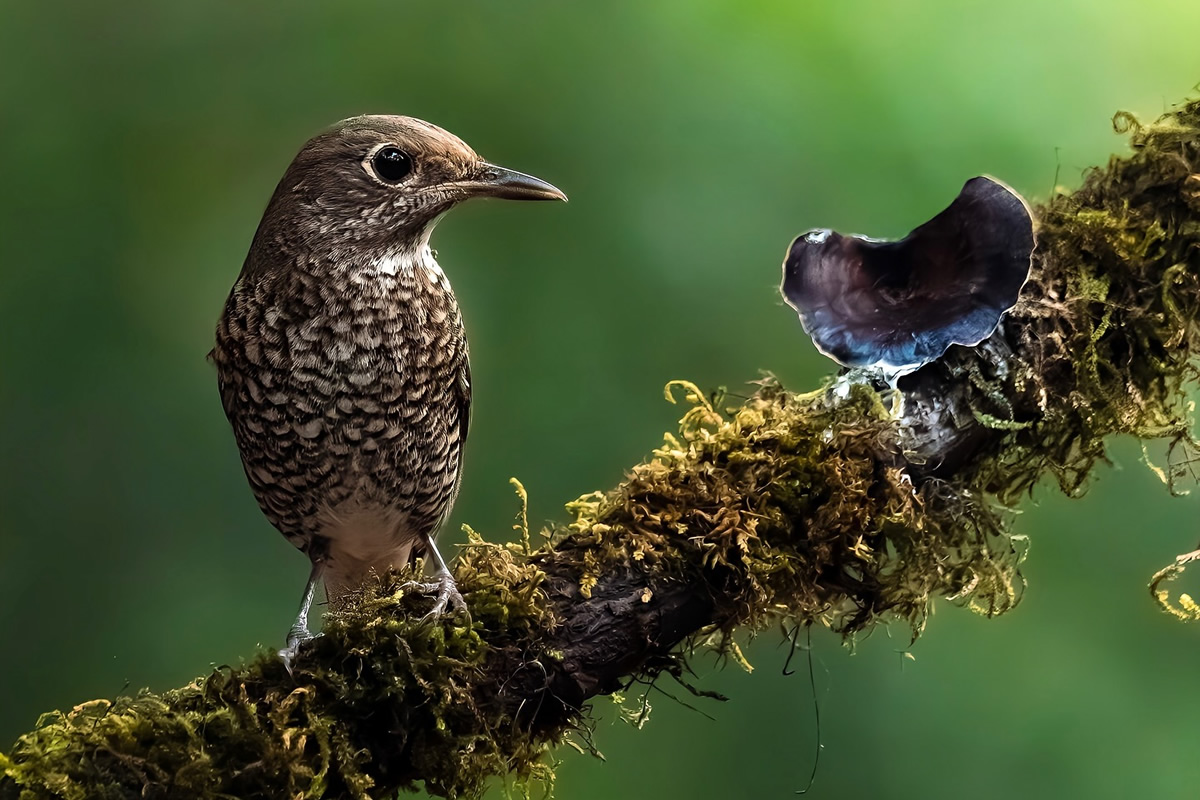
column 898, row 305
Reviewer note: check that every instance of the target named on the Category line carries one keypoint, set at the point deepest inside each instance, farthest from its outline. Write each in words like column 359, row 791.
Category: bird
column 342, row 359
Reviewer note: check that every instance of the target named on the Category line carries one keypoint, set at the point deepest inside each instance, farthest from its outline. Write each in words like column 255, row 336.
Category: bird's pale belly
column 364, row 537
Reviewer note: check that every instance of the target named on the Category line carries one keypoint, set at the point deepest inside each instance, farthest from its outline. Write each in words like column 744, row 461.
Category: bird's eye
column 391, row 164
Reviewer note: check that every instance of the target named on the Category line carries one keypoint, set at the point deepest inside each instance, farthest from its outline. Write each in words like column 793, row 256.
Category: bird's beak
column 507, row 184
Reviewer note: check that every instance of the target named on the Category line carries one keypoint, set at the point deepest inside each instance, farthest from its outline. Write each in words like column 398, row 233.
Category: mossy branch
column 843, row 507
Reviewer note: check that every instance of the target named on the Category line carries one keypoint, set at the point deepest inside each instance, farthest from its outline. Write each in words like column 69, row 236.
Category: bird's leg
column 442, row 586
column 299, row 634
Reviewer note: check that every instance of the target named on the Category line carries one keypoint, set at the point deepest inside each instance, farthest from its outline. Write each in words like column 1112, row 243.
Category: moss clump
column 801, row 507
column 381, row 700
column 843, row 507
column 1104, row 339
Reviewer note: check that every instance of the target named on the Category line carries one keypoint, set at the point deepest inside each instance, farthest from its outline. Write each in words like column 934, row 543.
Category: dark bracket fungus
column 898, row 305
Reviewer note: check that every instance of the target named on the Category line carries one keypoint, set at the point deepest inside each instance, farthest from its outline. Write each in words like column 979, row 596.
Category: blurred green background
column 140, row 141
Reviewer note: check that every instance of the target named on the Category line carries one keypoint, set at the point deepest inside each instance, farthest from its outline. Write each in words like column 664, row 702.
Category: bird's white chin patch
column 411, row 256
column 398, row 262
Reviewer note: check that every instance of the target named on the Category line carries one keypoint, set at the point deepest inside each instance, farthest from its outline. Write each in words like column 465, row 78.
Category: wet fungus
column 898, row 305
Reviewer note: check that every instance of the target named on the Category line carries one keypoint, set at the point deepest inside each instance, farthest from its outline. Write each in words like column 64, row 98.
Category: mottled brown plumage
column 341, row 354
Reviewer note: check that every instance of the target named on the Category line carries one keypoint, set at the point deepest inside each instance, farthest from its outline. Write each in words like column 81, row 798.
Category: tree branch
column 842, row 507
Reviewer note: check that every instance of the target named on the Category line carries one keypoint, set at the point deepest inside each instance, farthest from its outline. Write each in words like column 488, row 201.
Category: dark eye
column 392, row 164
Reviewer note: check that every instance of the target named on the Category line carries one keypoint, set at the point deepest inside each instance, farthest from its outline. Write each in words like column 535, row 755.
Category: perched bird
column 341, row 355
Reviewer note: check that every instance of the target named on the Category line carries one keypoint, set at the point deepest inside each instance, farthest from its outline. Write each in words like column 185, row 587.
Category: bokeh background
column 139, row 142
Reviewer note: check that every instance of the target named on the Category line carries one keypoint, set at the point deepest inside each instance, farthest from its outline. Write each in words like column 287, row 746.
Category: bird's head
column 381, row 182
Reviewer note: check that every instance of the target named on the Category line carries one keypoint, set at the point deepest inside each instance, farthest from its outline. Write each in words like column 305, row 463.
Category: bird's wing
column 463, row 397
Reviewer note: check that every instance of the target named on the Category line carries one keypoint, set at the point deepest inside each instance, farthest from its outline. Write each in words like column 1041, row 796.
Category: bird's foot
column 445, row 592
column 298, row 635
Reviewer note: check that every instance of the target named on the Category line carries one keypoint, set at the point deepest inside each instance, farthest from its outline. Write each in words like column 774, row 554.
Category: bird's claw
column 298, row 635
column 445, row 592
